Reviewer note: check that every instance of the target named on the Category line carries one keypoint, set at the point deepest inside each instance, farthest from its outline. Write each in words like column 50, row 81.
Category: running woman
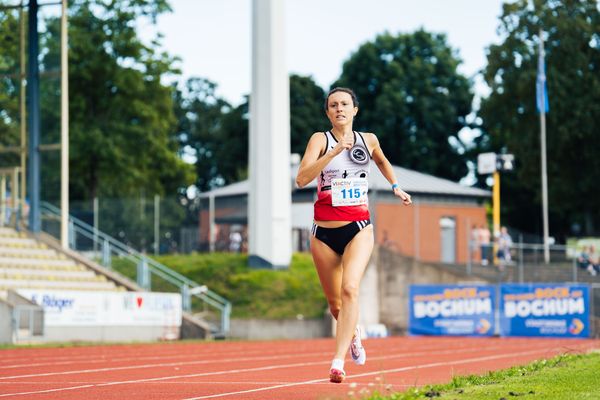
column 342, row 234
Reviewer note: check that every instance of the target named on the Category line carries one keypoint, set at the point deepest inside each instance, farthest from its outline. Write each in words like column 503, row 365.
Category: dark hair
column 345, row 90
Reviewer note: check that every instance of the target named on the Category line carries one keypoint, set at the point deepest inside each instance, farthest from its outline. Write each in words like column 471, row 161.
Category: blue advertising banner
column 550, row 309
column 451, row 310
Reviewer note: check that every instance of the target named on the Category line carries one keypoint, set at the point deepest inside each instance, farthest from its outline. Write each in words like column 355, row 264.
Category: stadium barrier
column 149, row 274
column 540, row 309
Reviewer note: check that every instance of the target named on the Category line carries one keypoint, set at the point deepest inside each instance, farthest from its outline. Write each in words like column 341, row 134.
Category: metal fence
column 149, row 274
column 526, row 264
column 157, row 224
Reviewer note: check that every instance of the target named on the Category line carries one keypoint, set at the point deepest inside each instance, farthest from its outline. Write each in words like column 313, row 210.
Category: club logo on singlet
column 359, row 154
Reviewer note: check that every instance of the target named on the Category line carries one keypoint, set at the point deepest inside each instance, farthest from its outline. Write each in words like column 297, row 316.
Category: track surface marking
column 294, row 369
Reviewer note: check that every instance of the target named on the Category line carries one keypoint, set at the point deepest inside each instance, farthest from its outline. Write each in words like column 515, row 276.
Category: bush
column 256, row 293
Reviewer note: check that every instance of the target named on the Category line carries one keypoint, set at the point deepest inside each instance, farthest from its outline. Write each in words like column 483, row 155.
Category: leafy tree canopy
column 306, row 111
column 216, row 134
column 9, row 85
column 510, row 120
column 121, row 114
column 412, row 97
column 212, row 132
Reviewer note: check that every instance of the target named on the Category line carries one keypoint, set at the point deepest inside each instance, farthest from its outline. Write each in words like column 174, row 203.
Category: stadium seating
column 26, row 263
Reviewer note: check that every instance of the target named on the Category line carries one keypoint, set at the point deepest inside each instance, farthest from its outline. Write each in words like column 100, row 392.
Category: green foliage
column 307, row 115
column 562, row 377
column 210, row 130
column 121, row 115
column 9, row 85
column 510, row 120
column 256, row 293
column 216, row 134
column 412, row 97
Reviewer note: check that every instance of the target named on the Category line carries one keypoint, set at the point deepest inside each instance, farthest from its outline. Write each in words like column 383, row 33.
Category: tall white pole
column 544, row 168
column 23, row 112
column 212, row 234
column 156, row 224
column 64, row 129
column 269, row 199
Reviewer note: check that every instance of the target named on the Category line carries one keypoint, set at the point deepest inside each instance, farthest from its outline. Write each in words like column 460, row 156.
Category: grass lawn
column 255, row 293
column 566, row 377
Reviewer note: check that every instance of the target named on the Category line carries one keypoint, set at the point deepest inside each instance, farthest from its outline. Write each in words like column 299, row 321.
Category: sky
column 213, row 37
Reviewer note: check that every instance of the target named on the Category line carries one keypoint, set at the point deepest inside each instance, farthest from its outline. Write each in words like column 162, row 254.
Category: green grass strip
column 571, row 376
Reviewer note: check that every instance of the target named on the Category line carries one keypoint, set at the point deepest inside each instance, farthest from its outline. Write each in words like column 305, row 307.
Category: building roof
column 411, row 181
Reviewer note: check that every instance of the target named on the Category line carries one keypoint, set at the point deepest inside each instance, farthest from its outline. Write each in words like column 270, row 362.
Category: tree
column 511, row 122
column 306, row 111
column 412, row 97
column 121, row 114
column 216, row 134
column 212, row 132
column 9, row 86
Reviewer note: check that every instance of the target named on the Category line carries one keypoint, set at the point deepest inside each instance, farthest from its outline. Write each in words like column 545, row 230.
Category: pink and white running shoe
column 357, row 351
column 336, row 375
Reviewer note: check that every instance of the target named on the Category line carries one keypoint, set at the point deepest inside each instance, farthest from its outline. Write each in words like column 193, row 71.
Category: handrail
column 187, row 287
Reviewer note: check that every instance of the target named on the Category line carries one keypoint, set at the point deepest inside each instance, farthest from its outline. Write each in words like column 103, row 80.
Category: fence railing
column 149, row 274
column 525, row 263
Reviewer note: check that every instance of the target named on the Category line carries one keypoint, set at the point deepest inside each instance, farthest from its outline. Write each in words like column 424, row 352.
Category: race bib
column 349, row 192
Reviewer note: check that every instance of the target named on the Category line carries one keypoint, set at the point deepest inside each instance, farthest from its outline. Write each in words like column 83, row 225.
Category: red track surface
column 257, row 370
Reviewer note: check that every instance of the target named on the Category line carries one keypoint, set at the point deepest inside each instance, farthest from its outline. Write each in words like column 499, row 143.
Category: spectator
column 584, row 261
column 504, row 244
column 594, row 265
column 474, row 241
column 484, row 244
column 235, row 241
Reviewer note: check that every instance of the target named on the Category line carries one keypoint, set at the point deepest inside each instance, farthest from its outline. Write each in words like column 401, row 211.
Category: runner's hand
column 405, row 197
column 345, row 143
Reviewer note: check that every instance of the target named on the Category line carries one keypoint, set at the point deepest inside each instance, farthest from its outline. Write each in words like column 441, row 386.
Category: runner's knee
column 350, row 292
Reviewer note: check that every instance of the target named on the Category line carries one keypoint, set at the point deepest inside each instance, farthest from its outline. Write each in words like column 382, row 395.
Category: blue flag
column 541, row 92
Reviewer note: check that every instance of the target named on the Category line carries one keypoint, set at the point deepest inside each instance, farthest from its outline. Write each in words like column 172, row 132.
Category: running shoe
column 336, row 375
column 357, row 351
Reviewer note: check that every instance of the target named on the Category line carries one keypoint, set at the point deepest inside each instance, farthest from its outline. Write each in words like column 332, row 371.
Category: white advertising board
column 91, row 308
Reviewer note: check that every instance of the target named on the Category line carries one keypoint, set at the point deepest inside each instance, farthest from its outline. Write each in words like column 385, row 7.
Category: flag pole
column 542, row 108
column 64, row 128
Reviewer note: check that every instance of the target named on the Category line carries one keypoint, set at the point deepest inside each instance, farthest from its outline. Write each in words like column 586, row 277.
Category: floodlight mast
column 64, row 128
column 30, row 117
column 494, row 163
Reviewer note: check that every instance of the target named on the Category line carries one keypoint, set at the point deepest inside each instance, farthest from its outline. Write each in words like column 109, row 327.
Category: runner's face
column 340, row 109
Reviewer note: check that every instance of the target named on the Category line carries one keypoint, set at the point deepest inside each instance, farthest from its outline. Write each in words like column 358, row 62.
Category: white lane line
column 200, row 351
column 46, row 391
column 243, row 370
column 5, row 362
column 176, row 364
column 199, row 383
column 236, row 360
column 105, row 359
column 108, row 357
column 432, row 365
column 146, row 380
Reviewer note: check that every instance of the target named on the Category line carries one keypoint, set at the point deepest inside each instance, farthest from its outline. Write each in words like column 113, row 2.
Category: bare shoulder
column 316, row 144
column 371, row 140
column 318, row 136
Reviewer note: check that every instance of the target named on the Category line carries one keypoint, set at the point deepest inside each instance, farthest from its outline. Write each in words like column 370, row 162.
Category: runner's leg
column 354, row 263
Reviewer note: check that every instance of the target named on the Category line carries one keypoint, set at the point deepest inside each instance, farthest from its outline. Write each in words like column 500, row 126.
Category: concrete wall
column 109, row 333
column 397, row 273
column 280, row 329
column 6, row 328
